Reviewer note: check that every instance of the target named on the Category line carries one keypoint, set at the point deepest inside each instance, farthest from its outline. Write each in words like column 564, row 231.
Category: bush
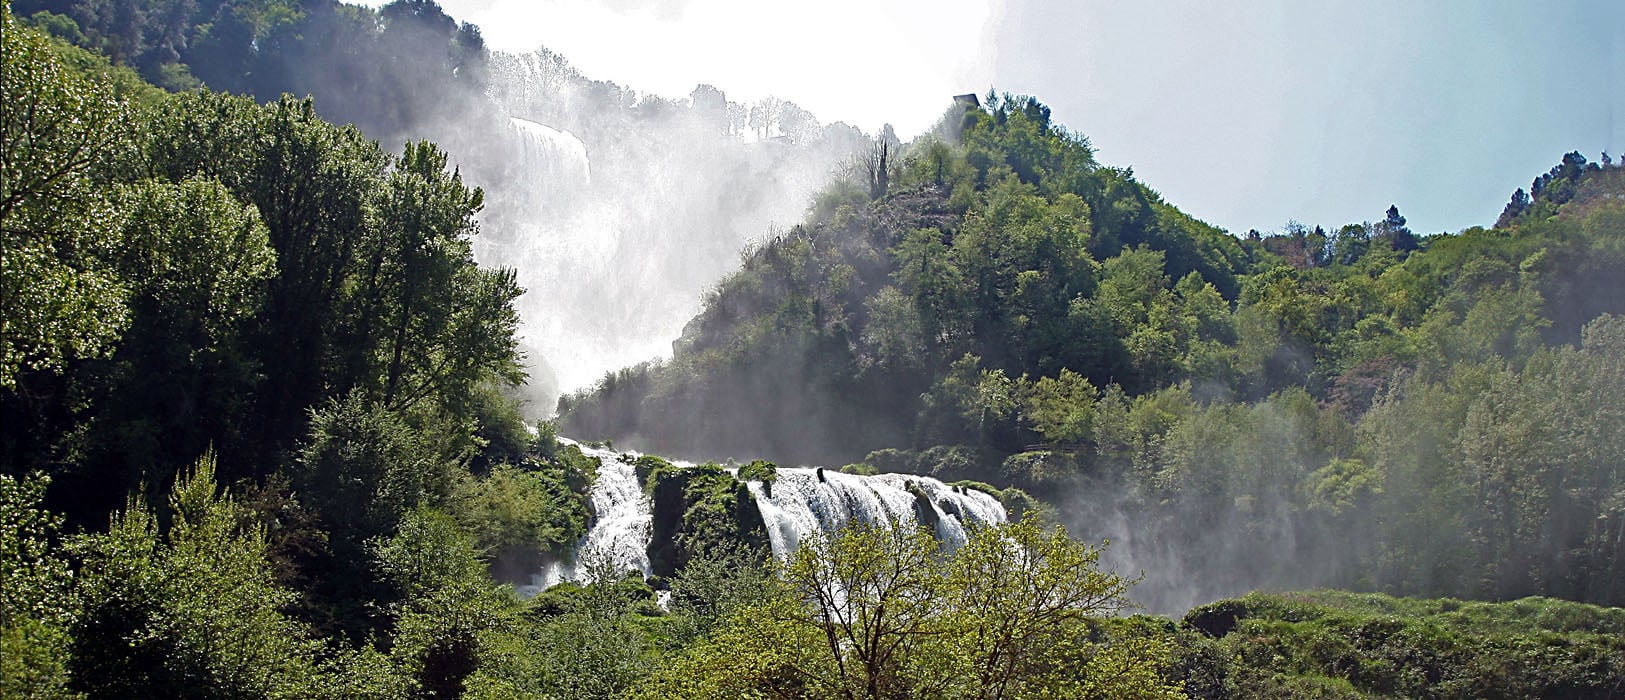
column 759, row 470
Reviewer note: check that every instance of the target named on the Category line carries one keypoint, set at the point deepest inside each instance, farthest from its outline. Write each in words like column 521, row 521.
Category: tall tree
column 60, row 297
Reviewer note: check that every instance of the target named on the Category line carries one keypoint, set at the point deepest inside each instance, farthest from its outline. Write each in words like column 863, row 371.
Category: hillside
column 1362, row 407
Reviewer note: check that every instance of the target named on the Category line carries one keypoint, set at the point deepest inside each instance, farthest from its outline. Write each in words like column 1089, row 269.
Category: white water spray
column 619, row 210
column 555, row 162
column 804, row 502
column 801, row 503
column 619, row 534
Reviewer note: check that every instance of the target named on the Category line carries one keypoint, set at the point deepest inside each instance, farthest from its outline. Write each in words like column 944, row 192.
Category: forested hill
column 1359, row 407
column 982, row 238
column 389, row 71
column 997, row 244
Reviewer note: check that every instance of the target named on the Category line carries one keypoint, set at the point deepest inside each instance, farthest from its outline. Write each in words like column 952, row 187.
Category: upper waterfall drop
column 555, row 160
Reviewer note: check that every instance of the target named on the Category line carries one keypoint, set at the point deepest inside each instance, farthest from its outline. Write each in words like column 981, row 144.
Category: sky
column 1243, row 114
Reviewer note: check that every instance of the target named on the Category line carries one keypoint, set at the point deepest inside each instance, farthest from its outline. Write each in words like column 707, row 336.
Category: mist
column 617, row 208
column 614, row 266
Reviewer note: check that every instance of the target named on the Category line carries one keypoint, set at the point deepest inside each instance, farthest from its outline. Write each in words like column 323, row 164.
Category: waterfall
column 619, row 534
column 804, row 501
column 618, row 212
column 554, row 162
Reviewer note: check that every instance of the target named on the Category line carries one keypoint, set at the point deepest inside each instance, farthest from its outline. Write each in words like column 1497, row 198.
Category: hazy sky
column 1244, row 114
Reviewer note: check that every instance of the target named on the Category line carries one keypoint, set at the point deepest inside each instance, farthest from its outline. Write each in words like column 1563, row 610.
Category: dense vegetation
column 388, row 70
column 259, row 438
column 1363, row 408
column 1328, row 644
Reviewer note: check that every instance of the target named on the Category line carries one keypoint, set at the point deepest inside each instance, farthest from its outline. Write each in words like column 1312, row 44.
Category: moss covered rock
column 696, row 509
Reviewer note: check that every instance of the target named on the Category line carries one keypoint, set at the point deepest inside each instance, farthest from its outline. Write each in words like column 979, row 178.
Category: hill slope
column 991, row 303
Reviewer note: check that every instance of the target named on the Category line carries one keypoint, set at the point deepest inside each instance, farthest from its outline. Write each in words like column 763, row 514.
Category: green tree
column 885, row 613
column 1019, row 596
column 597, row 651
column 365, row 468
column 522, row 515
column 439, row 325
column 198, row 263
column 189, row 610
column 60, row 296
column 36, row 602
column 1061, row 408
column 450, row 618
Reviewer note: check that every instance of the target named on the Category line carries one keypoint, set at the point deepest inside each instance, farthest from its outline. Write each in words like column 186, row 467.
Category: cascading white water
column 619, row 210
column 555, row 161
column 801, row 504
column 619, row 534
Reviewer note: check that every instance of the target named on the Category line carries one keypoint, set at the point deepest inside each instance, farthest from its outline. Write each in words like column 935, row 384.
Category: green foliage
column 645, row 466
column 188, row 609
column 364, row 469
column 599, row 648
column 1431, row 415
column 518, row 515
column 371, row 66
column 450, row 619
column 715, row 584
column 878, row 613
column 759, row 470
column 698, row 509
column 198, row 264
column 1529, row 450
column 1367, row 645
column 36, row 608
column 60, row 297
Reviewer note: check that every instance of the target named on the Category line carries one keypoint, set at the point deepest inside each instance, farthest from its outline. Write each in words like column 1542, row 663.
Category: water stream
column 800, row 503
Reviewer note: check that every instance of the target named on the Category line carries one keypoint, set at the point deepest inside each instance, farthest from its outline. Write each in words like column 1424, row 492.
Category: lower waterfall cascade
column 801, row 502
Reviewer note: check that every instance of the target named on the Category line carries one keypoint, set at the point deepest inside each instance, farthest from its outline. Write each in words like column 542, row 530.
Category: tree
column 711, row 107
column 36, row 602
column 597, row 651
column 764, row 117
column 364, row 469
column 198, row 262
column 878, row 613
column 1061, row 408
column 873, row 595
column 1514, row 208
column 1392, row 229
column 1018, row 596
column 60, row 297
column 449, row 616
column 189, row 610
column 439, row 324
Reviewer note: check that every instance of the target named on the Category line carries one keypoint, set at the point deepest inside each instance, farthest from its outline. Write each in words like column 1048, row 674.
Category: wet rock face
column 924, row 513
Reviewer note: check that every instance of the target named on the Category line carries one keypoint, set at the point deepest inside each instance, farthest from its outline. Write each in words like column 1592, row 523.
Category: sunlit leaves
column 886, row 613
column 59, row 297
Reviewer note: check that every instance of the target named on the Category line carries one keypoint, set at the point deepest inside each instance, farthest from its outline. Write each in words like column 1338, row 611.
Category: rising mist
column 619, row 210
